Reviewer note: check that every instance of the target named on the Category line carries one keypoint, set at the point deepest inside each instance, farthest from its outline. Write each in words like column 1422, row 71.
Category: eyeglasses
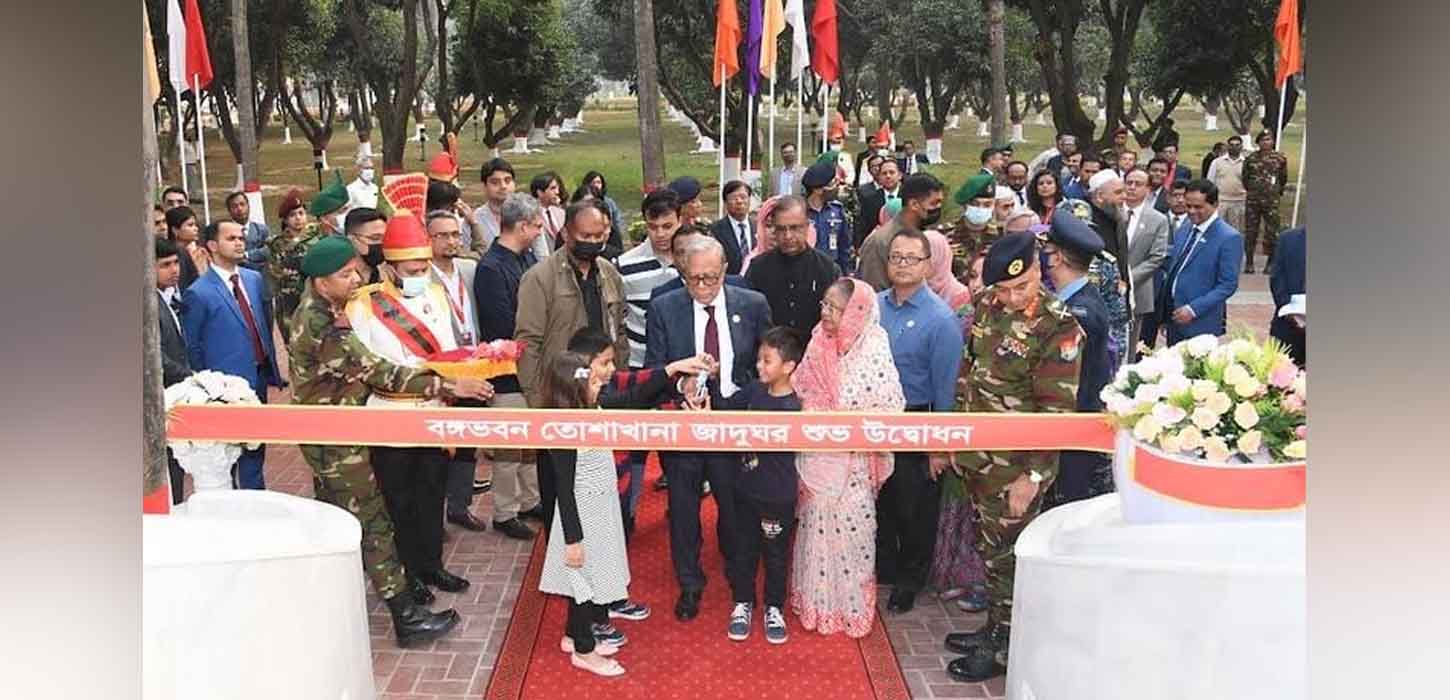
column 826, row 305
column 905, row 260
column 702, row 280
column 450, row 235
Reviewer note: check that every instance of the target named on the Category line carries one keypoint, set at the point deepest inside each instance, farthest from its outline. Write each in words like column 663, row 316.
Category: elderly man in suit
column 174, row 364
column 1203, row 271
column 223, row 315
column 735, row 231
column 1146, row 230
column 725, row 322
column 786, row 179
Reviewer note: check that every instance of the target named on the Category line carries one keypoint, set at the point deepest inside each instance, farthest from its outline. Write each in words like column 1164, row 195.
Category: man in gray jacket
column 1147, row 234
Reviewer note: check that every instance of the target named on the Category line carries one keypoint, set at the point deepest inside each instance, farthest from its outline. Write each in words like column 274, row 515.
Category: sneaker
column 775, row 631
column 608, row 634
column 973, row 602
column 629, row 610
column 739, row 628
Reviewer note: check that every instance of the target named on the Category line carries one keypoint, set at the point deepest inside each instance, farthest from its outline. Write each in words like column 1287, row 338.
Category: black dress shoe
column 964, row 642
column 901, row 601
column 468, row 521
column 535, row 513
column 443, row 581
column 980, row 665
column 515, row 528
column 688, row 606
column 420, row 592
column 414, row 623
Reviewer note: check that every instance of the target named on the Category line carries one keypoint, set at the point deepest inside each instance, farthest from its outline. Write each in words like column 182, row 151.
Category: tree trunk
column 153, row 408
column 1059, row 64
column 646, row 57
column 1122, row 22
column 242, row 53
column 394, row 95
column 221, row 106
column 997, row 47
column 443, row 101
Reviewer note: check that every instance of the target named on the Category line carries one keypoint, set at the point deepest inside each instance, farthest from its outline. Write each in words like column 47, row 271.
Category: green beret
column 330, row 199
column 327, row 256
column 1010, row 256
column 979, row 185
column 829, row 158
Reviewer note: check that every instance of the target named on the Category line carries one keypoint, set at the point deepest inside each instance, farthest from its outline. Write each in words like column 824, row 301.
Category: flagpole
column 825, row 119
column 1279, row 132
column 1299, row 179
column 749, row 132
column 181, row 143
column 200, row 144
column 770, row 154
column 800, row 111
column 720, row 191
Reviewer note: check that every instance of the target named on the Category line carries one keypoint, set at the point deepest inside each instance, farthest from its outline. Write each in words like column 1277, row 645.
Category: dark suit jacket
column 670, row 329
column 1286, row 278
column 1209, row 276
column 174, row 364
column 921, row 159
column 725, row 232
column 1160, row 200
column 216, row 335
column 870, row 212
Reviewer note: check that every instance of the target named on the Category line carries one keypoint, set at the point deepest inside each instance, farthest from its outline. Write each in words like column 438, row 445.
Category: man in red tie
column 226, row 322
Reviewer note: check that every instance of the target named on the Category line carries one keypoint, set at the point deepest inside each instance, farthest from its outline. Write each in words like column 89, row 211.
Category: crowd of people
column 837, row 288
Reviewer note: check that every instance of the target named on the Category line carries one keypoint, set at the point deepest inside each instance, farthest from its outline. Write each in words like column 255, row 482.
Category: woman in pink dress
column 847, row 367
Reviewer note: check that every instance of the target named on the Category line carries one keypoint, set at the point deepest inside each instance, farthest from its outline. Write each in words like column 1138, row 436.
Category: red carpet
column 666, row 659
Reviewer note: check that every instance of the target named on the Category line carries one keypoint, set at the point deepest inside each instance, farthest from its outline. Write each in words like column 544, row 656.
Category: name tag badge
column 911, row 323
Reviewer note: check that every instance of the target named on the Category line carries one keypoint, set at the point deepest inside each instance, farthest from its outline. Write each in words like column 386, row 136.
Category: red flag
column 883, row 135
column 826, row 61
column 727, row 41
column 1286, row 33
column 198, row 61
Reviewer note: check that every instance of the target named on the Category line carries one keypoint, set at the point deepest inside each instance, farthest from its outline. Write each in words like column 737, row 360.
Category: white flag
column 176, row 46
column 800, row 57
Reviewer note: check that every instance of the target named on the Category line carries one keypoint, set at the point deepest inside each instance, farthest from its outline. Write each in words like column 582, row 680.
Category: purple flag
column 752, row 47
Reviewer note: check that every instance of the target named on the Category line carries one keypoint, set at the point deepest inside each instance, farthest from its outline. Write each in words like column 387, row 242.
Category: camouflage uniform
column 1103, row 274
column 284, row 272
column 965, row 242
column 1265, row 174
column 1024, row 362
column 331, row 367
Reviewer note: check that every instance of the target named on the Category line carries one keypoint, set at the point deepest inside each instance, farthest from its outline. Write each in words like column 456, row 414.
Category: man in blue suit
column 1203, row 271
column 226, row 321
column 1287, row 278
column 712, row 318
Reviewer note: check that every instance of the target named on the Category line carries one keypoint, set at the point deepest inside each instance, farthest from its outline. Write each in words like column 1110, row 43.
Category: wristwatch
column 1034, row 477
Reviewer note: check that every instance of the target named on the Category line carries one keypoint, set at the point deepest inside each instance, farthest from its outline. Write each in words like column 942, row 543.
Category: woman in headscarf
column 847, row 367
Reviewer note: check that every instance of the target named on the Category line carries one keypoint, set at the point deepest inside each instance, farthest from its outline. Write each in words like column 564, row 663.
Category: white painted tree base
column 538, row 137
column 365, row 148
column 732, row 168
column 1017, row 133
column 351, row 127
column 494, row 152
column 954, row 123
column 286, row 135
column 705, row 144
column 521, row 145
column 1210, row 122
column 934, row 152
column 1040, row 119
column 984, row 129
column 861, row 135
column 255, row 210
column 555, row 132
column 1102, row 114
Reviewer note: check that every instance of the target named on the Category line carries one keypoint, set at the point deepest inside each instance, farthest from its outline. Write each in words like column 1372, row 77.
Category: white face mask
column 414, row 286
column 366, row 174
column 977, row 216
column 836, row 146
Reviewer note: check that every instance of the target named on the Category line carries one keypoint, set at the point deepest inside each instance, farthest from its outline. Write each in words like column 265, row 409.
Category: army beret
column 330, row 199
column 829, row 158
column 1068, row 231
column 687, row 187
column 990, row 151
column 979, row 185
column 818, row 174
column 327, row 256
column 1003, row 148
column 1010, row 256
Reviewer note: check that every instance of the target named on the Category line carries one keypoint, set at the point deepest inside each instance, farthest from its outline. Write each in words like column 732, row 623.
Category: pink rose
column 1292, row 403
column 1302, row 432
column 1284, row 374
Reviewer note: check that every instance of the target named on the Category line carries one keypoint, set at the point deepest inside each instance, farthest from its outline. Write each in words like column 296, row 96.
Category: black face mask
column 931, row 217
column 374, row 255
column 586, row 252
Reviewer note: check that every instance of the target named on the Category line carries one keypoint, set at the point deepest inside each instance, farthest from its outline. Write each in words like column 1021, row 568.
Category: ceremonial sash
column 409, row 329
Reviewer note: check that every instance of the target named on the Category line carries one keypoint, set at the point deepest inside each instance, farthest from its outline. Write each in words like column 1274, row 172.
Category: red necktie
column 246, row 309
column 712, row 334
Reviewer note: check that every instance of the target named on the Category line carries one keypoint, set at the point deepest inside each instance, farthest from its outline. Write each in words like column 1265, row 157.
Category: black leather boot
column 413, row 623
column 983, row 662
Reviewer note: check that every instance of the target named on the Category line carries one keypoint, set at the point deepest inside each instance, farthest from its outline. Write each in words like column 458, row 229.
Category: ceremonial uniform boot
column 984, row 661
column 413, row 623
column 964, row 642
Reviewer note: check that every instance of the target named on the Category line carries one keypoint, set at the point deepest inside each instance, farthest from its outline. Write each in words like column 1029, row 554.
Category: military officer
column 286, row 249
column 1104, row 274
column 1068, row 246
column 330, row 367
column 828, row 215
column 1025, row 355
column 976, row 228
column 1266, row 171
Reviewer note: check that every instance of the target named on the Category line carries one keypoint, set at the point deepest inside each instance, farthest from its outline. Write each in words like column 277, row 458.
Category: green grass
column 611, row 146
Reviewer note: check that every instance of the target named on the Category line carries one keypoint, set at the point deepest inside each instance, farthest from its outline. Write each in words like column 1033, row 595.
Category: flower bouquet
column 1210, row 430
column 487, row 360
column 209, row 463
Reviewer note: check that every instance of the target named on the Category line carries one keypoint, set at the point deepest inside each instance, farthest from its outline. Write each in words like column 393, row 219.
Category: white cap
column 1295, row 307
column 1005, row 193
column 1102, row 178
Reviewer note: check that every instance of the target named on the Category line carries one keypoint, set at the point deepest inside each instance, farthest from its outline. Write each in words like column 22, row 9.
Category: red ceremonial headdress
column 838, row 127
column 406, row 239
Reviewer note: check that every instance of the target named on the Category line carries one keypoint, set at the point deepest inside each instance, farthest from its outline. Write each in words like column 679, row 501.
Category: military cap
column 818, row 174
column 829, row 158
column 979, row 185
column 687, row 187
column 1003, row 148
column 1068, row 231
column 330, row 198
column 1010, row 256
column 327, row 256
column 990, row 151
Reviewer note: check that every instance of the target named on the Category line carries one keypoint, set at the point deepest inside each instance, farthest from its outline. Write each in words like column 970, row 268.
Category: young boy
column 765, row 494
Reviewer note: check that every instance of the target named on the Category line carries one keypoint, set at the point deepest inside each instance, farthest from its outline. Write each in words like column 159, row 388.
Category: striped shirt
column 642, row 272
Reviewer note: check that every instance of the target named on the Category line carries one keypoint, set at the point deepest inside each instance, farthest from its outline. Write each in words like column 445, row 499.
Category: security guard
column 1068, row 246
column 828, row 215
column 1025, row 355
column 1103, row 274
column 330, row 367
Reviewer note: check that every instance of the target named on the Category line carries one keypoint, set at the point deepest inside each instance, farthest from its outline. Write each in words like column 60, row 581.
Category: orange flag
column 727, row 41
column 883, row 135
column 1286, row 33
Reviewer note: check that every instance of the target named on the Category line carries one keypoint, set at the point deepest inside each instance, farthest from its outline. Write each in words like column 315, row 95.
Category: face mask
column 366, row 175
column 931, row 217
column 414, row 286
column 978, row 216
column 587, row 252
column 835, row 146
column 374, row 257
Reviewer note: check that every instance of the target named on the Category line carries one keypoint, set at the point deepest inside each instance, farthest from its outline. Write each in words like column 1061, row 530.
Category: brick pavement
column 459, row 665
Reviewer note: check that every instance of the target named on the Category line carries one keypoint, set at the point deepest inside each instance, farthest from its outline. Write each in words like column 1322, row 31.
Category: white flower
column 1171, row 442
column 1176, row 384
column 1250, row 442
column 1248, row 388
column 1147, row 428
column 1200, row 345
column 1219, row 403
column 1219, row 356
column 1203, row 389
column 1246, row 415
column 1148, row 368
column 1301, row 385
column 239, row 392
column 1148, row 393
column 1191, row 438
column 212, row 382
column 1244, row 350
column 1296, row 450
column 1118, row 404
column 1235, row 374
column 1205, row 418
column 1172, row 365
column 1216, row 449
column 1168, row 414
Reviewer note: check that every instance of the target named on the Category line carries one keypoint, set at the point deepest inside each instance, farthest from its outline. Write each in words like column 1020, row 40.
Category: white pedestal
column 732, row 169
column 1103, row 610
column 254, row 594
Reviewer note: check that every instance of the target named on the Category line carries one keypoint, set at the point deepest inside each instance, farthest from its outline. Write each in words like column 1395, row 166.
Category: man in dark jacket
column 174, row 365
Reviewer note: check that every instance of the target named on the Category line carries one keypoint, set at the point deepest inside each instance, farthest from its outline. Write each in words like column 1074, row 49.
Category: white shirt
column 786, row 184
column 361, row 194
column 1197, row 237
column 488, row 225
column 431, row 308
column 166, row 296
column 1135, row 215
column 641, row 270
column 722, row 324
column 738, row 225
column 226, row 278
column 453, row 286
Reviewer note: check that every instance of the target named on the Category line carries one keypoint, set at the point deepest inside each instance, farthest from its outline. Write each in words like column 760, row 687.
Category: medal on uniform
column 749, row 461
